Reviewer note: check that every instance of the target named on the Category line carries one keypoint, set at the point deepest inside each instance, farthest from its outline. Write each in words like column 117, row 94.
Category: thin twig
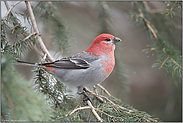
column 33, row 44
column 107, row 92
column 95, row 89
column 15, row 27
column 80, row 108
column 154, row 48
column 172, row 59
column 6, row 4
column 96, row 95
column 116, row 105
column 108, row 115
column 147, row 23
column 9, row 10
column 90, row 106
column 34, row 33
column 164, row 61
column 171, row 8
column 93, row 111
column 34, row 24
column 104, row 98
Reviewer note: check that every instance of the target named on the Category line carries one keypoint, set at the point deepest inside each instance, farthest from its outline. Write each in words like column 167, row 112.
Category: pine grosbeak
column 87, row 68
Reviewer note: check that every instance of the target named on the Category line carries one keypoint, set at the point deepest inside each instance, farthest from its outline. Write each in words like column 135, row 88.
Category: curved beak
column 116, row 40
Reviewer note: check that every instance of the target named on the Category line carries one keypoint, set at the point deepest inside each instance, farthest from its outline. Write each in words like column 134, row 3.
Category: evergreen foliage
column 19, row 102
column 162, row 36
column 48, row 13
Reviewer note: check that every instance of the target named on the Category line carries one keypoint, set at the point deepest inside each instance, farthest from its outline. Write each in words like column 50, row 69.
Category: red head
column 104, row 43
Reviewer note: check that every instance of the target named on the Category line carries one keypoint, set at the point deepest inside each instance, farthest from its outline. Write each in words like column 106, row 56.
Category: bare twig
column 80, row 108
column 168, row 57
column 164, row 61
column 154, row 48
column 96, row 95
column 108, row 115
column 34, row 33
column 34, row 24
column 104, row 98
column 171, row 8
column 6, row 4
column 147, row 23
column 9, row 10
column 93, row 111
column 90, row 106
column 100, row 86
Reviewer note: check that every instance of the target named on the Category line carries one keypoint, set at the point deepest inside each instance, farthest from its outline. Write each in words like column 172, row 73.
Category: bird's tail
column 27, row 63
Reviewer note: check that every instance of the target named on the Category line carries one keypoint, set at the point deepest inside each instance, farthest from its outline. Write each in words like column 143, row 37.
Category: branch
column 107, row 92
column 90, row 106
column 168, row 57
column 108, row 115
column 96, row 95
column 80, row 108
column 171, row 8
column 34, row 33
column 93, row 111
column 34, row 24
column 100, row 96
column 9, row 10
column 147, row 23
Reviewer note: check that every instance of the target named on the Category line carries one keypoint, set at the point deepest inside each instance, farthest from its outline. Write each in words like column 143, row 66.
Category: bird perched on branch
column 87, row 68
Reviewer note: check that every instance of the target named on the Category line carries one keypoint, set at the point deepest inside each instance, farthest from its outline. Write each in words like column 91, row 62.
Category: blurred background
column 145, row 88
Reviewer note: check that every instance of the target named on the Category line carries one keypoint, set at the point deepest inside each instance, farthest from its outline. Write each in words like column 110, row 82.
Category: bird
column 87, row 68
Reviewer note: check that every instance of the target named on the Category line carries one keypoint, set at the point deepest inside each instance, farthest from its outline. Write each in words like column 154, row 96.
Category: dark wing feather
column 78, row 61
column 69, row 63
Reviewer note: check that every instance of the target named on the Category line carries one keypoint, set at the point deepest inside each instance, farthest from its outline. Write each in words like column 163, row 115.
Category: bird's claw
column 87, row 98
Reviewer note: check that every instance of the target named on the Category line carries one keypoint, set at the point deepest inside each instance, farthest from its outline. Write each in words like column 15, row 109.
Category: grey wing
column 68, row 63
column 79, row 61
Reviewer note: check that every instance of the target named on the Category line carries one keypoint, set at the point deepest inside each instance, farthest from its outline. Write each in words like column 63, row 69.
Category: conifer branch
column 34, row 24
column 164, row 61
column 128, row 111
column 147, row 23
column 9, row 100
column 9, row 10
column 90, row 106
column 168, row 57
column 171, row 8
column 34, row 33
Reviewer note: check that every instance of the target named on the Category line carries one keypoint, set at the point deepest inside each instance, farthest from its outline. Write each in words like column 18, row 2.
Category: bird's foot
column 85, row 95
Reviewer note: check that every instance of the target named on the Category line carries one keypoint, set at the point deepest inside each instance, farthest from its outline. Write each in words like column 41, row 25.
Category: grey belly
column 82, row 77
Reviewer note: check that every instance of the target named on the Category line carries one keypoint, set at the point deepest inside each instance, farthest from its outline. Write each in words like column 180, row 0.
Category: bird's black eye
column 108, row 39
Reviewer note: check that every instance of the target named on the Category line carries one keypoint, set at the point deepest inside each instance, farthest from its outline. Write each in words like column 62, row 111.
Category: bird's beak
column 116, row 40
